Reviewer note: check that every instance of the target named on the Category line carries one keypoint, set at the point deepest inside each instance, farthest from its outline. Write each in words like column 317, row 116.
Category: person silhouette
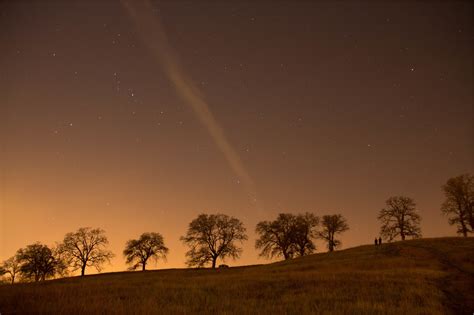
column 380, row 241
column 375, row 242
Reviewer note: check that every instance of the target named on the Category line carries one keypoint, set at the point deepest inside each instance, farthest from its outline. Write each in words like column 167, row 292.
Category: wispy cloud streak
column 153, row 35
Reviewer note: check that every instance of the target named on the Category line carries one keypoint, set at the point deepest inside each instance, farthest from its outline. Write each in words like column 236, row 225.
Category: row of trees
column 209, row 237
column 400, row 218
column 217, row 236
column 214, row 236
column 84, row 248
column 34, row 262
column 293, row 235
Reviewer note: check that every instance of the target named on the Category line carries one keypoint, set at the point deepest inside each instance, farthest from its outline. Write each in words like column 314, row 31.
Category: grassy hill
column 429, row 276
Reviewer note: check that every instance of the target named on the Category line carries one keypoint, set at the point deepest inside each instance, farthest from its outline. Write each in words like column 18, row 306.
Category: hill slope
column 429, row 276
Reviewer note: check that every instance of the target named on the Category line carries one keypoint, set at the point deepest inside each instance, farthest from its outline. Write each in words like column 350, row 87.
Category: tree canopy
column 305, row 233
column 399, row 219
column 287, row 236
column 11, row 266
column 331, row 225
column 86, row 247
column 459, row 203
column 149, row 245
column 38, row 262
column 213, row 236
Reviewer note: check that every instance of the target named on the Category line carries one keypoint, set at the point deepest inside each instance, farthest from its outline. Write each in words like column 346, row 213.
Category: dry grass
column 431, row 276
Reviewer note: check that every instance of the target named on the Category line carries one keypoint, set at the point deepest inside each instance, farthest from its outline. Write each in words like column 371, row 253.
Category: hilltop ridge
column 424, row 276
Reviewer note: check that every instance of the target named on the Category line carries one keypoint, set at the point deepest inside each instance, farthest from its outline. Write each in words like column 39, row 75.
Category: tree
column 10, row 266
column 277, row 237
column 288, row 235
column 211, row 237
column 331, row 226
column 459, row 203
column 86, row 248
column 37, row 262
column 61, row 261
column 304, row 234
column 149, row 245
column 400, row 218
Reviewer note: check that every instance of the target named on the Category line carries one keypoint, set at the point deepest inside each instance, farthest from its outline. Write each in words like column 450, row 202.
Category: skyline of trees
column 214, row 236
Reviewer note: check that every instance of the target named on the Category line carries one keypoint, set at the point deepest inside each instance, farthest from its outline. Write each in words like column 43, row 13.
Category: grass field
column 429, row 276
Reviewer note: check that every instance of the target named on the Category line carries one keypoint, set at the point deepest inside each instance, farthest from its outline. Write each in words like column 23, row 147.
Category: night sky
column 139, row 122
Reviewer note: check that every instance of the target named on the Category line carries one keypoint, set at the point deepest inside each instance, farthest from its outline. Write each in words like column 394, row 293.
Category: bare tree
column 211, row 237
column 149, row 245
column 400, row 218
column 277, row 237
column 86, row 248
column 61, row 261
column 331, row 225
column 10, row 266
column 305, row 233
column 37, row 262
column 459, row 203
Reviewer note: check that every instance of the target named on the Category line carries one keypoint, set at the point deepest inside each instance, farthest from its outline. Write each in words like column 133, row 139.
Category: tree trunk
column 83, row 269
column 331, row 245
column 214, row 262
column 402, row 227
column 464, row 228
